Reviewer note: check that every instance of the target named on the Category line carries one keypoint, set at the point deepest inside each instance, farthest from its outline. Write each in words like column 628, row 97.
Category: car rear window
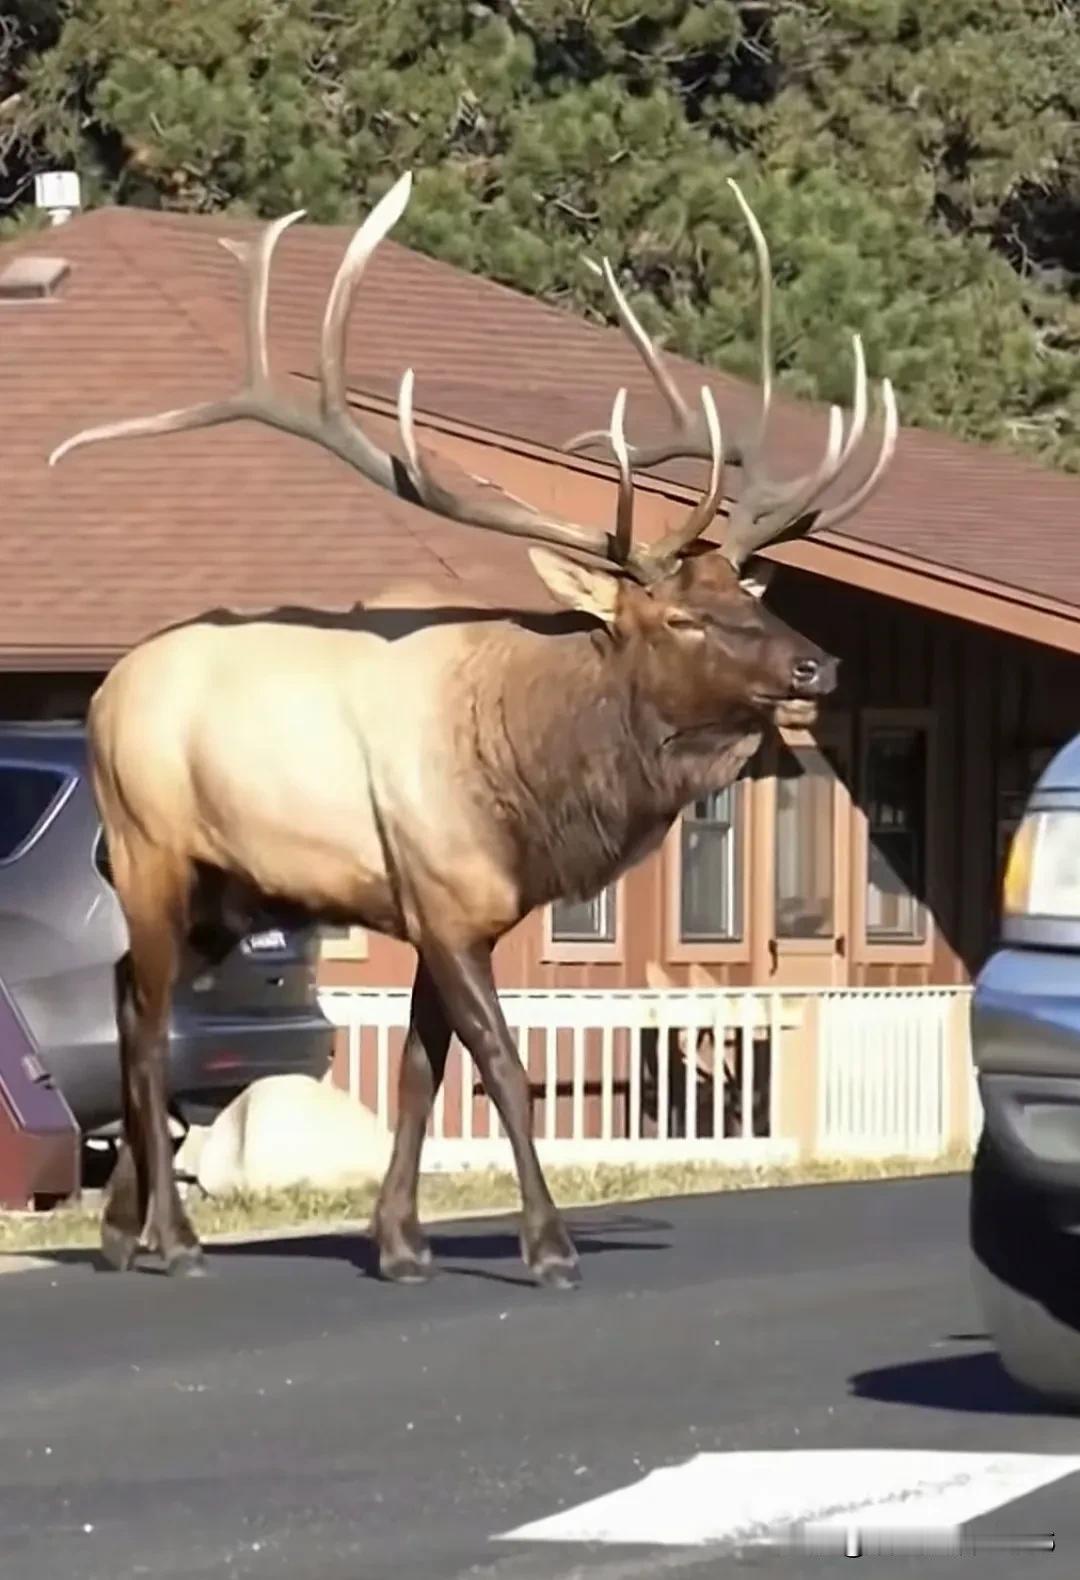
column 26, row 797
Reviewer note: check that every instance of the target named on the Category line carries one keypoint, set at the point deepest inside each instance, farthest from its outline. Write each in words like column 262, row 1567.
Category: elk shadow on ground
column 459, row 1251
column 456, row 1250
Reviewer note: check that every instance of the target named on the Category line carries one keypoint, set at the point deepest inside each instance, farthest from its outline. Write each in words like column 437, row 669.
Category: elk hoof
column 189, row 1262
column 560, row 1274
column 406, row 1270
column 404, row 1254
column 548, row 1252
column 118, row 1247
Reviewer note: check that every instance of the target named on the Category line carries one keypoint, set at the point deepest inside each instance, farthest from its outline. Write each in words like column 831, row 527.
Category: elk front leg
column 404, row 1254
column 467, row 988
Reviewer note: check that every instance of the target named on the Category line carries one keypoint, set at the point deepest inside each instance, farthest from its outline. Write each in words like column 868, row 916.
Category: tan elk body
column 436, row 773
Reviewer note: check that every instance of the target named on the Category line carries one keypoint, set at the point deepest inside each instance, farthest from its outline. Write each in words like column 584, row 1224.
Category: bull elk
column 436, row 774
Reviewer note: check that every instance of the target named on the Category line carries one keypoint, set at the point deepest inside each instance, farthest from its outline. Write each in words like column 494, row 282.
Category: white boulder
column 287, row 1130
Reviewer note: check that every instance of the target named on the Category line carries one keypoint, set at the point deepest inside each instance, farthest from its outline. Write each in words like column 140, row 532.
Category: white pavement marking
column 804, row 1497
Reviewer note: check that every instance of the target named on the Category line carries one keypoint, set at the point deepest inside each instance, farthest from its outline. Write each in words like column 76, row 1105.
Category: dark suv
column 61, row 930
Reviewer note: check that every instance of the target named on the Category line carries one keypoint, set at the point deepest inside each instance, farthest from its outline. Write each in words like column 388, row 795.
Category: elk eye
column 683, row 622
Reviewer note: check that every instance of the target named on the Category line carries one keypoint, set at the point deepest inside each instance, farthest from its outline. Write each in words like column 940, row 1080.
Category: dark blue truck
column 1025, row 1185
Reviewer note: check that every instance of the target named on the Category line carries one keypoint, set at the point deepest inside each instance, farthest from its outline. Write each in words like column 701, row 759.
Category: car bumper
column 209, row 1062
column 1026, row 1051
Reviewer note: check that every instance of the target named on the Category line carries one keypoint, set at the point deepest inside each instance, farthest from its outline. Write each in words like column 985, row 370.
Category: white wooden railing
column 883, row 1061
column 829, row 1072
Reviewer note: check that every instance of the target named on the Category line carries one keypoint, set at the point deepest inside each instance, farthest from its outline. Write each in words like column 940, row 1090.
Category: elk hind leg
column 126, row 1196
column 404, row 1253
column 154, row 889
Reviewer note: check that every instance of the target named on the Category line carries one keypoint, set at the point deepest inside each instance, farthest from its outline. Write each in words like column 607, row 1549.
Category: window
column 342, row 943
column 805, row 859
column 894, row 799
column 710, row 869
column 26, row 797
column 584, row 921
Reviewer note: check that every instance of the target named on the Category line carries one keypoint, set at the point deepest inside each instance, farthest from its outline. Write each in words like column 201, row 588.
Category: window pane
column 26, row 794
column 895, row 797
column 584, row 921
column 804, row 859
column 710, row 898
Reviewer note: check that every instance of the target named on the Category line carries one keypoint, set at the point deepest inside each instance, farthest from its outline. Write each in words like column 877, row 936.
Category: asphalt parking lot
column 715, row 1384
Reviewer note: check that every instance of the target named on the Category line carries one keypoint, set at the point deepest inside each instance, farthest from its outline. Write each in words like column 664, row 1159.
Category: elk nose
column 813, row 676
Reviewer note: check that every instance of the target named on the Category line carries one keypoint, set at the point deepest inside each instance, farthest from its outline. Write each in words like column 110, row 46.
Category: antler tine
column 674, row 543
column 690, row 437
column 249, row 401
column 800, row 519
column 333, row 394
column 624, row 514
column 890, row 429
column 859, row 405
column 255, row 258
column 504, row 512
column 765, row 283
column 684, row 421
column 767, row 509
column 763, row 508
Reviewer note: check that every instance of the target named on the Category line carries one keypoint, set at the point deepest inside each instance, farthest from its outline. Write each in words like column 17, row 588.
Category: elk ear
column 593, row 592
column 757, row 576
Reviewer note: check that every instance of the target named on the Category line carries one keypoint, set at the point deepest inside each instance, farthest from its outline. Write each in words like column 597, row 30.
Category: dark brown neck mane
column 581, row 769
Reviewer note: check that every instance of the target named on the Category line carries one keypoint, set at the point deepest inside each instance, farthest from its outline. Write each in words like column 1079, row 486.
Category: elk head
column 689, row 612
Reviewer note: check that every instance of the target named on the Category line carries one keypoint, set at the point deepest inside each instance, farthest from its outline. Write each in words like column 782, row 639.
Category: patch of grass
column 469, row 1192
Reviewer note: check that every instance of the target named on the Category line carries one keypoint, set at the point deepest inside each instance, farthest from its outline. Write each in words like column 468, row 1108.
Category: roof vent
column 59, row 192
column 32, row 278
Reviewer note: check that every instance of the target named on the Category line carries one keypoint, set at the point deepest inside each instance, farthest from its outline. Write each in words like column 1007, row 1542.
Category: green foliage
column 915, row 163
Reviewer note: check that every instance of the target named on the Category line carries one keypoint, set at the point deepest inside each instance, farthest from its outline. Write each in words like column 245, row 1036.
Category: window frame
column 587, row 951
column 704, row 951
column 829, row 733
column 895, row 951
column 68, row 781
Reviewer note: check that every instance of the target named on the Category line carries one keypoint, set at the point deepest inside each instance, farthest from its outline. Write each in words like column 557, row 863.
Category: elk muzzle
column 810, row 678
column 814, row 677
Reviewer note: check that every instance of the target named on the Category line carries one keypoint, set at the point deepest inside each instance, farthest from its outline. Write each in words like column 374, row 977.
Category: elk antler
column 332, row 427
column 767, row 509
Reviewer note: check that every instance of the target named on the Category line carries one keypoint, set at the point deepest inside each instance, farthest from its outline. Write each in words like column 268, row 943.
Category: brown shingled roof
column 130, row 536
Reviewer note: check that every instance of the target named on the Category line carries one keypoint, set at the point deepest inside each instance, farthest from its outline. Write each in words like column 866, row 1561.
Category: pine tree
column 915, row 163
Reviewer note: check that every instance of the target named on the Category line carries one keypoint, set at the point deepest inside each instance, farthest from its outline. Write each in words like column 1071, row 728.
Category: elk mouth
column 788, row 712
column 795, row 712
